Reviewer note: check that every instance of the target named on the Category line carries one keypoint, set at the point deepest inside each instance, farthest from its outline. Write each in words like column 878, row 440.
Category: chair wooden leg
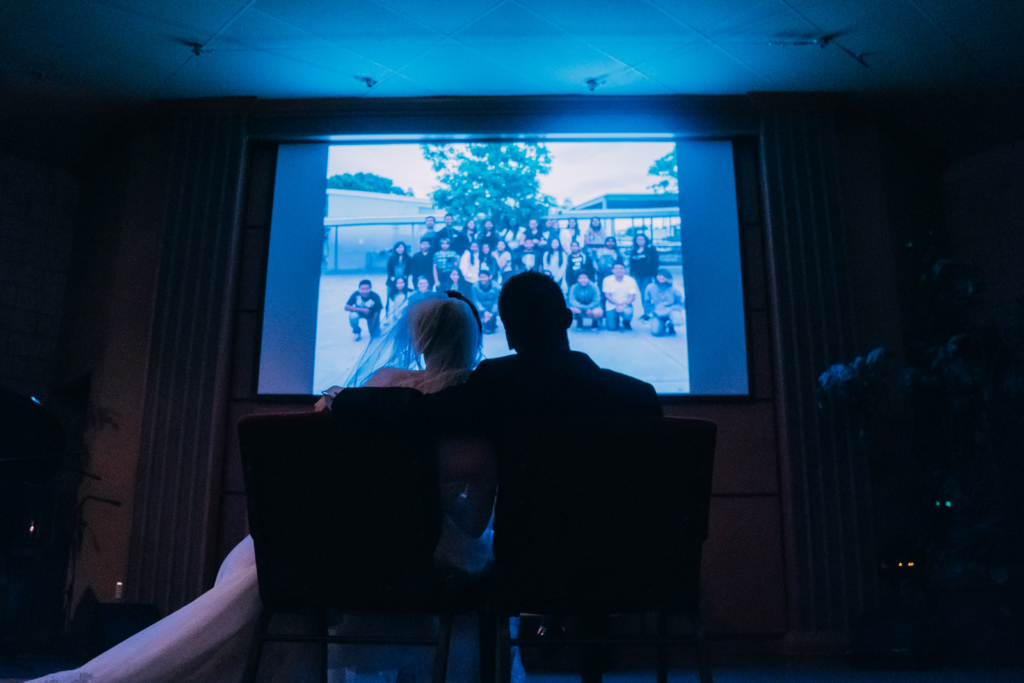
column 594, row 660
column 444, row 635
column 322, row 629
column 252, row 664
column 703, row 665
column 504, row 650
column 488, row 642
column 663, row 647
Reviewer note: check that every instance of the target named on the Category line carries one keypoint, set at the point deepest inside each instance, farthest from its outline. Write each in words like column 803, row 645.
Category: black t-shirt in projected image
column 372, row 301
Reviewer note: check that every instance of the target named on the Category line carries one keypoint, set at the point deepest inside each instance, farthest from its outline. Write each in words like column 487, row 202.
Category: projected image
column 602, row 219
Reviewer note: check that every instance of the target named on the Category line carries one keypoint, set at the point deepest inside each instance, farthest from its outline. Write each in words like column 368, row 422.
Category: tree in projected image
column 365, row 182
column 500, row 181
column 666, row 169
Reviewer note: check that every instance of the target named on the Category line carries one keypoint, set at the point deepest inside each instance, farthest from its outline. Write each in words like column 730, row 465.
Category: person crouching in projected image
column 661, row 298
column 485, row 298
column 364, row 304
column 585, row 302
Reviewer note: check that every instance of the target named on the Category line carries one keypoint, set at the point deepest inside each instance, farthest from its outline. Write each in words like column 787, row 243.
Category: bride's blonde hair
column 445, row 332
column 438, row 335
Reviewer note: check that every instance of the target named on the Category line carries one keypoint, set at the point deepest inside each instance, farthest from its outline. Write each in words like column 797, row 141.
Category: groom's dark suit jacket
column 542, row 385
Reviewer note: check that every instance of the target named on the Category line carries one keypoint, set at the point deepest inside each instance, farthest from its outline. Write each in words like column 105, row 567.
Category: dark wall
column 38, row 210
column 983, row 208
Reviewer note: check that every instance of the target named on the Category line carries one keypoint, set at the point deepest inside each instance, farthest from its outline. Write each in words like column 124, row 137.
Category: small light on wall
column 910, row 564
column 118, row 590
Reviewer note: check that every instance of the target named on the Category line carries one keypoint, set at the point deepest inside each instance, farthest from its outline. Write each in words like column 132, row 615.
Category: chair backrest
column 602, row 516
column 344, row 517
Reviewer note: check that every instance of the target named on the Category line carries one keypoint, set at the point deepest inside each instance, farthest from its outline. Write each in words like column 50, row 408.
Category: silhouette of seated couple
column 423, row 377
column 425, row 373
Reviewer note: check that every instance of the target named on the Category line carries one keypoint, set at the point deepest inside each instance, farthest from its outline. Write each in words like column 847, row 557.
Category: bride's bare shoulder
column 394, row 377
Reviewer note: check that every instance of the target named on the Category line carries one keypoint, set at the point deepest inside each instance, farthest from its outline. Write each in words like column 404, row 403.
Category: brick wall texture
column 37, row 220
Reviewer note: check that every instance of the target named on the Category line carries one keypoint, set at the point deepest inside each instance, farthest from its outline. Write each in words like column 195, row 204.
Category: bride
column 434, row 344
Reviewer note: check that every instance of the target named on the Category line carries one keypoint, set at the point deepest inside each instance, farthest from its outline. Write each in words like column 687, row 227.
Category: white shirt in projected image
column 618, row 292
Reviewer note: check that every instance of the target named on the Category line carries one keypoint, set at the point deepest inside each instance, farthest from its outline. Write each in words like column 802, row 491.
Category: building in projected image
column 359, row 226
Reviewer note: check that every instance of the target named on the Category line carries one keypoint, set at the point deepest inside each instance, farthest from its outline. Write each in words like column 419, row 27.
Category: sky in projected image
column 580, row 171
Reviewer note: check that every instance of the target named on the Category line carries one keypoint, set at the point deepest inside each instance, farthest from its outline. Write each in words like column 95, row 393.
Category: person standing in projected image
column 511, row 233
column 643, row 266
column 487, row 261
column 488, row 235
column 422, row 290
column 422, row 262
column 528, row 258
column 567, row 235
column 503, row 257
column 554, row 262
column 364, row 304
column 398, row 268
column 534, row 233
column 605, row 259
column 465, row 237
column 469, row 264
column 577, row 262
column 445, row 261
column 457, row 283
column 593, row 239
column 396, row 299
column 448, row 231
column 429, row 234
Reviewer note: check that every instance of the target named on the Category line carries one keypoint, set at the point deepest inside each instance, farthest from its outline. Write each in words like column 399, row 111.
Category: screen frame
column 541, row 119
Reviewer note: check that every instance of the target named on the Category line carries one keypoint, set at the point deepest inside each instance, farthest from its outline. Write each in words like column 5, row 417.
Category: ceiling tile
column 338, row 60
column 702, row 68
column 524, row 42
column 204, row 17
column 807, row 68
column 397, row 85
column 85, row 47
column 454, row 69
column 762, row 23
column 254, row 28
column 220, row 74
column 366, row 28
column 705, row 16
column 446, row 16
column 612, row 19
column 630, row 30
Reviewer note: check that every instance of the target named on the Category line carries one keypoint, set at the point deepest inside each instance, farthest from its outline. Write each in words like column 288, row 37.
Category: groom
column 544, row 379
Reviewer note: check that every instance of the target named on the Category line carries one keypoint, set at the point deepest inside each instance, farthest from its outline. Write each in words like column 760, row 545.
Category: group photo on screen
column 601, row 219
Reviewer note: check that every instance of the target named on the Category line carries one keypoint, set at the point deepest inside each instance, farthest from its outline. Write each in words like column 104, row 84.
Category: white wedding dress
column 207, row 640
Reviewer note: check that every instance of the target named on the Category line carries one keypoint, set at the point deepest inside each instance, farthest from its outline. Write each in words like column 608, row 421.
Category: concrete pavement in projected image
column 662, row 361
